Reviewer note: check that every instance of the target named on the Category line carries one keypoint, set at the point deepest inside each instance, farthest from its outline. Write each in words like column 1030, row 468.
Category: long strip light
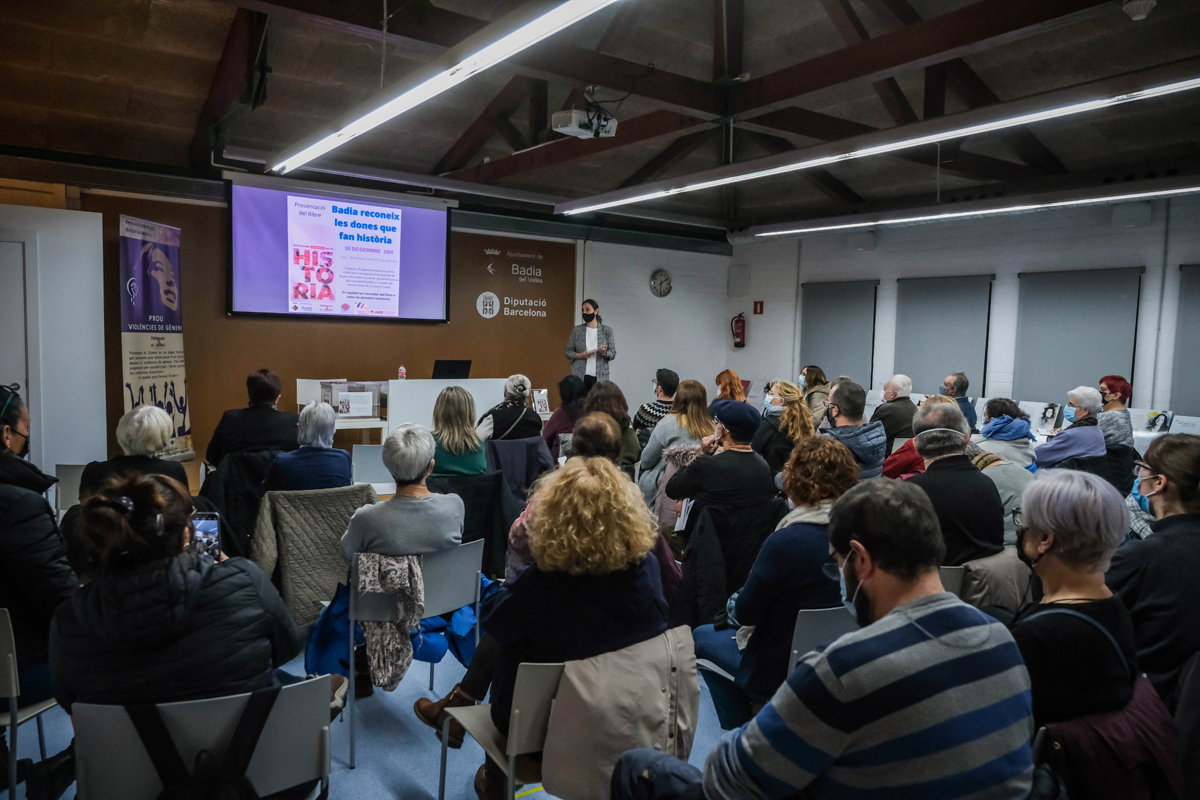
column 527, row 35
column 980, row 212
column 894, row 146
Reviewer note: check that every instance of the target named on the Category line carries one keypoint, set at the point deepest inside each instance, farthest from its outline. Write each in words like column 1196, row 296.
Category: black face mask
column 1025, row 559
column 588, row 317
column 829, row 416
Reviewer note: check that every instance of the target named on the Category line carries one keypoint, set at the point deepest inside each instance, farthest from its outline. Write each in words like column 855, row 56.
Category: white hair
column 1087, row 516
column 517, row 388
column 940, row 430
column 1087, row 397
column 317, row 424
column 408, row 452
column 901, row 384
column 145, row 431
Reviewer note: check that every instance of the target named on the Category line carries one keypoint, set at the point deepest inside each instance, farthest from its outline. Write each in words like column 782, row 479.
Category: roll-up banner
column 152, row 327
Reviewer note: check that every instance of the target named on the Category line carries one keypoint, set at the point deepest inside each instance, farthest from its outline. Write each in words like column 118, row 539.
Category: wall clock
column 660, row 283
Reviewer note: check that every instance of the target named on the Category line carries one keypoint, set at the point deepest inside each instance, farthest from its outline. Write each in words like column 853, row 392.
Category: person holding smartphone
column 591, row 346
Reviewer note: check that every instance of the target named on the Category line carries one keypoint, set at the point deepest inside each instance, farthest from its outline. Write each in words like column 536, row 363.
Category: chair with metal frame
column 17, row 715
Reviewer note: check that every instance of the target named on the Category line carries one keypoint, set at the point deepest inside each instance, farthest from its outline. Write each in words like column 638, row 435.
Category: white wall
column 1072, row 239
column 66, row 338
column 772, row 338
column 686, row 331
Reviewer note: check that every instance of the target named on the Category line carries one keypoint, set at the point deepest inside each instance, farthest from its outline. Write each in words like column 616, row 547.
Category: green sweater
column 447, row 463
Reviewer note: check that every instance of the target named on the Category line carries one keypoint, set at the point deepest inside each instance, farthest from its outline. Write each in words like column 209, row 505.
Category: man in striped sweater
column 929, row 700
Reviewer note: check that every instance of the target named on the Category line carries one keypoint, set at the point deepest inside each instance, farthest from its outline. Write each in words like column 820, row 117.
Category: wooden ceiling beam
column 977, row 27
column 648, row 128
column 854, row 32
column 425, row 28
column 233, row 82
column 483, row 128
column 680, row 148
column 616, row 34
column 819, row 178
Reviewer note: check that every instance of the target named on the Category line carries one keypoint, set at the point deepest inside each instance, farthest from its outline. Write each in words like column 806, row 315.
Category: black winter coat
column 34, row 574
column 772, row 444
column 181, row 628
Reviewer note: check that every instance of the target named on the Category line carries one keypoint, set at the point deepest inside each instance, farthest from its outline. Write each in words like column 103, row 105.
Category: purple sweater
column 1085, row 441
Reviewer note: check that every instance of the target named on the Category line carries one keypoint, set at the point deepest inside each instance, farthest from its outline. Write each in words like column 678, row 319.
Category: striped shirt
column 930, row 702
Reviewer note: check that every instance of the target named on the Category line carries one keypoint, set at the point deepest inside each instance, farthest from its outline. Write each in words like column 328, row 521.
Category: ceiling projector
column 595, row 123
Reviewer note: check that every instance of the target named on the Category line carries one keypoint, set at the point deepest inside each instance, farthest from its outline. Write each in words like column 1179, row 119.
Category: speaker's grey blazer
column 578, row 344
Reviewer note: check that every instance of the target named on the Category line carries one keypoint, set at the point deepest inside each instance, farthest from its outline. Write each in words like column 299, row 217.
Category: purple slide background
column 260, row 252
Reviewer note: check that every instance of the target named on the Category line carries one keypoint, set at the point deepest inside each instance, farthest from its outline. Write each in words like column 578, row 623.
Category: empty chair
column 11, row 689
column 366, row 466
column 293, row 748
column 533, row 698
column 816, row 627
column 952, row 579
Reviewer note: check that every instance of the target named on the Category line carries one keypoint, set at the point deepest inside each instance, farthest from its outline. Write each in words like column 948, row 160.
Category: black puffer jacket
column 181, row 628
column 34, row 574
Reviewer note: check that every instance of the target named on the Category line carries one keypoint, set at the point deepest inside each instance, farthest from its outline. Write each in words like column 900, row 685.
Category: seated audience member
column 458, row 450
column 261, row 426
column 571, row 394
column 906, row 460
column 1010, row 481
column 317, row 464
column 688, row 423
column 594, row 587
column 816, row 388
column 1070, row 526
column 1082, row 439
column 607, row 398
column 1114, row 419
column 159, row 623
column 142, row 433
column 729, row 387
column 35, row 575
column 786, row 421
column 929, row 699
column 736, row 476
column 514, row 418
column 1156, row 577
column 597, row 435
column 650, row 414
column 847, row 402
column 1006, row 432
column 968, row 505
column 897, row 410
column 414, row 521
column 956, row 386
column 787, row 576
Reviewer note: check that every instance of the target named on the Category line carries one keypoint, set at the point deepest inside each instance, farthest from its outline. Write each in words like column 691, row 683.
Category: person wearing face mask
column 1156, row 577
column 786, row 421
column 956, row 386
column 866, row 442
column 897, row 410
column 928, row 699
column 1069, row 525
column 1114, row 419
column 1082, row 438
column 816, row 391
column 35, row 576
column 591, row 346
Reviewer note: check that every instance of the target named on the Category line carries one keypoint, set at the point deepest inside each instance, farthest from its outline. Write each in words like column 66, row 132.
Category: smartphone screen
column 207, row 538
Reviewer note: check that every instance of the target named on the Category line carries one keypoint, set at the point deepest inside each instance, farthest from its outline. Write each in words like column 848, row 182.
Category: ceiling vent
column 1138, row 10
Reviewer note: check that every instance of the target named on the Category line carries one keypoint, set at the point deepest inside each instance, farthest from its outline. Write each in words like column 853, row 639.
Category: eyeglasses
column 1138, row 466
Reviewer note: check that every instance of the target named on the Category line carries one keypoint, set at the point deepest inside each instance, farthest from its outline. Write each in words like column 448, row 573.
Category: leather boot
column 433, row 714
column 491, row 783
column 363, row 687
column 50, row 778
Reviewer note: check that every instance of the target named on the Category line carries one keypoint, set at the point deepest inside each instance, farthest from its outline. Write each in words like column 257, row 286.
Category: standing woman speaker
column 591, row 346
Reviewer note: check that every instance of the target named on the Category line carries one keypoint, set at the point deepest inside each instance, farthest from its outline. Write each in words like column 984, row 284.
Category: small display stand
column 360, row 405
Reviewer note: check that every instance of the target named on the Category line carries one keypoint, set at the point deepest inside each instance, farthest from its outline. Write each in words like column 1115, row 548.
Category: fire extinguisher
column 738, row 326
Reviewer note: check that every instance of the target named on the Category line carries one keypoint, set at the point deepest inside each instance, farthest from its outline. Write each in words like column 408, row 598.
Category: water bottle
column 401, row 374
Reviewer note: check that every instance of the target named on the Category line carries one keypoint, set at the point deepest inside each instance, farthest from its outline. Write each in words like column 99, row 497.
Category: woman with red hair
column 1114, row 420
column 730, row 386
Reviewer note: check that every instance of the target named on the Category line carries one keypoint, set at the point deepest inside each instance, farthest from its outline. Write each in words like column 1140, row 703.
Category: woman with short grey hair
column 414, row 521
column 514, row 418
column 1082, row 438
column 143, row 433
column 317, row 464
column 1078, row 642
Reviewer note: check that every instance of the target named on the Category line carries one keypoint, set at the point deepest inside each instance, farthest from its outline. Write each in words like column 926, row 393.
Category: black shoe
column 50, row 778
column 23, row 766
column 362, row 674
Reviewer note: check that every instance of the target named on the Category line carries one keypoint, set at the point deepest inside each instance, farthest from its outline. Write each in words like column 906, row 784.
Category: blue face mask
column 1143, row 500
column 800, row 382
column 1068, row 415
column 848, row 602
column 945, row 390
column 767, row 401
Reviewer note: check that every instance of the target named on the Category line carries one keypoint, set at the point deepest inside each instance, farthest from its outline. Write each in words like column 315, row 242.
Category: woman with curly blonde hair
column 788, row 575
column 594, row 586
column 786, row 421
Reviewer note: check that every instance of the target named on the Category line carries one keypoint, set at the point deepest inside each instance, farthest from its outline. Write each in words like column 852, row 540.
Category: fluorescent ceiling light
column 978, row 212
column 893, row 146
column 508, row 45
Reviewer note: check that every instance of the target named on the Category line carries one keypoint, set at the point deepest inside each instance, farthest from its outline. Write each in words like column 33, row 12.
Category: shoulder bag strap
column 1107, row 633
column 249, row 729
column 158, row 743
column 520, row 417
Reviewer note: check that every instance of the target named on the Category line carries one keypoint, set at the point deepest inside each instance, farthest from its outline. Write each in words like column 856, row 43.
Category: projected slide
column 304, row 254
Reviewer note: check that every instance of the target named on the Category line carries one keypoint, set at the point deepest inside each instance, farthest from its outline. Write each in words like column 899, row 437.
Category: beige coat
column 1000, row 580
column 646, row 695
column 817, row 398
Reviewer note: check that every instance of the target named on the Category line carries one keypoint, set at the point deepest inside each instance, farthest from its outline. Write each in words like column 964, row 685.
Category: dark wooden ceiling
column 162, row 82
